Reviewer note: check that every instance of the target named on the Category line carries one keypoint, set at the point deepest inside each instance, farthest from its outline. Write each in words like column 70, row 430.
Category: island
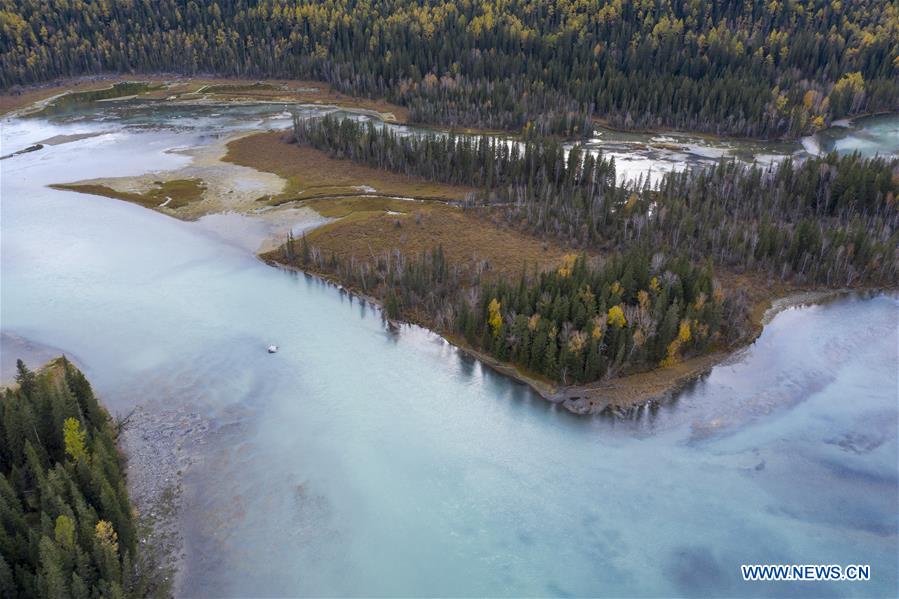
column 530, row 252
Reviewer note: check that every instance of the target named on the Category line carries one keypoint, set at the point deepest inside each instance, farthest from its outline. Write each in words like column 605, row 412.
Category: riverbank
column 311, row 174
column 258, row 175
column 207, row 185
column 173, row 87
column 154, row 439
column 369, row 227
column 58, row 399
column 617, row 396
column 605, row 123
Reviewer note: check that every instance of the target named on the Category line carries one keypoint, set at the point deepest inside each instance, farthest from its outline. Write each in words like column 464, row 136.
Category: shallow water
column 869, row 136
column 639, row 157
column 356, row 461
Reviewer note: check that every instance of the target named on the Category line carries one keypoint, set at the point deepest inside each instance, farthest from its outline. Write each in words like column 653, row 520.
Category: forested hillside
column 749, row 67
column 66, row 523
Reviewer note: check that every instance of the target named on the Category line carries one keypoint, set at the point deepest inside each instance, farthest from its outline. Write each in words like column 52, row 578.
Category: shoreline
column 620, row 395
column 21, row 101
column 614, row 396
column 603, row 123
column 36, row 96
column 153, row 463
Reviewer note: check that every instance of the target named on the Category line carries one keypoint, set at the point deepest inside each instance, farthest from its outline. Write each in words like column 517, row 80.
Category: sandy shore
column 228, row 206
column 162, row 442
column 228, row 187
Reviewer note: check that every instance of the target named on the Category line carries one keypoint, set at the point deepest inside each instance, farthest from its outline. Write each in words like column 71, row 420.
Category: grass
column 312, row 174
column 471, row 241
column 343, row 207
column 369, row 223
column 231, row 88
column 181, row 191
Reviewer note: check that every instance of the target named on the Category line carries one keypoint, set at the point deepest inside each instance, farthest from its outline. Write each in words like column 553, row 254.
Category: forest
column 582, row 322
column 743, row 67
column 648, row 296
column 67, row 527
column 830, row 220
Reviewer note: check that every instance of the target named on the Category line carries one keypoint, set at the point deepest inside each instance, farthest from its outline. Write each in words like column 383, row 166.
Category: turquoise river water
column 360, row 462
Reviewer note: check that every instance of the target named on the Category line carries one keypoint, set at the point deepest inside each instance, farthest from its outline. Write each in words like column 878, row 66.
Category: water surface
column 359, row 462
column 639, row 157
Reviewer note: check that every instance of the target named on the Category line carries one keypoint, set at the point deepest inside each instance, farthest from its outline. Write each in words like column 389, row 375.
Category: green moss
column 181, row 191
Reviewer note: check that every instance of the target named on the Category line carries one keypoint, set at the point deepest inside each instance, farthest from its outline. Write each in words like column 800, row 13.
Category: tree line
column 831, row 220
column 482, row 161
column 746, row 67
column 654, row 300
column 67, row 527
column 584, row 321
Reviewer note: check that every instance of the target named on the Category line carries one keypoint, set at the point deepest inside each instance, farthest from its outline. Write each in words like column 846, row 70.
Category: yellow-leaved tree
column 74, row 437
column 683, row 336
column 106, row 536
column 568, row 261
column 494, row 318
column 616, row 317
column 683, row 332
column 64, row 531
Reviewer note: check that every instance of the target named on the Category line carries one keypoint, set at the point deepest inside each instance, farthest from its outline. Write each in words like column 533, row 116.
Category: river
column 356, row 461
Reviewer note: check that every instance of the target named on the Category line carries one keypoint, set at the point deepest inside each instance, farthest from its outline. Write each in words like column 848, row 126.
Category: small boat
column 272, row 349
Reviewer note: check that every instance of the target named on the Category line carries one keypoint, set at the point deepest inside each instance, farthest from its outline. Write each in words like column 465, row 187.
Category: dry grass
column 469, row 241
column 312, row 174
column 181, row 191
column 237, row 88
column 371, row 224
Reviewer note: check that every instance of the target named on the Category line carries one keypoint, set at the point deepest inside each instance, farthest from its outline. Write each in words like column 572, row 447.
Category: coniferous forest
column 829, row 221
column 577, row 324
column 753, row 68
column 66, row 523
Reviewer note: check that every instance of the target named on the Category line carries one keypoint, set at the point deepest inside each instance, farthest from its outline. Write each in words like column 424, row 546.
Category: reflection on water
column 359, row 461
